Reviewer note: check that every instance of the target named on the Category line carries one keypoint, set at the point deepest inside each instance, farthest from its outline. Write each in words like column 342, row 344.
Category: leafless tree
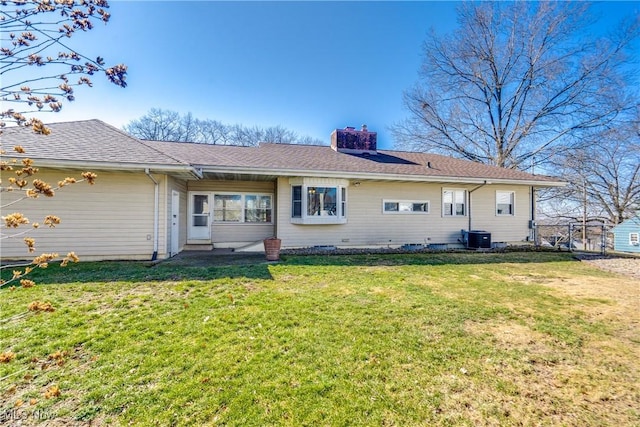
column 246, row 136
column 189, row 127
column 38, row 70
column 280, row 135
column 165, row 125
column 157, row 125
column 212, row 132
column 517, row 84
column 604, row 177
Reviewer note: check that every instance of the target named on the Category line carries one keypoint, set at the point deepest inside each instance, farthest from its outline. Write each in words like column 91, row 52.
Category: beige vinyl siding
column 180, row 186
column 112, row 219
column 163, row 215
column 236, row 235
column 503, row 228
column 367, row 225
column 231, row 235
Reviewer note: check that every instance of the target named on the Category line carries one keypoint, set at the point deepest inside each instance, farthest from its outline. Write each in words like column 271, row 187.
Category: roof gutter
column 156, row 222
column 121, row 166
column 197, row 172
column 376, row 176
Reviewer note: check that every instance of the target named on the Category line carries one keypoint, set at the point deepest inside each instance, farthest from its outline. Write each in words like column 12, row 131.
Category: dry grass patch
column 597, row 379
column 550, row 381
column 610, row 299
column 617, row 296
column 510, row 335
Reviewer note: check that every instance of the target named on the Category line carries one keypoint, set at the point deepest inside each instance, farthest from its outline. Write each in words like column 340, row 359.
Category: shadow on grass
column 426, row 258
column 144, row 271
column 254, row 266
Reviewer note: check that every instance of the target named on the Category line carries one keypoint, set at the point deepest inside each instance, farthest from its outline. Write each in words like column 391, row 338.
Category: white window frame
column 512, row 196
column 406, row 212
column 634, row 239
column 244, row 207
column 243, row 201
column 340, row 215
column 202, row 231
column 454, row 213
column 325, row 201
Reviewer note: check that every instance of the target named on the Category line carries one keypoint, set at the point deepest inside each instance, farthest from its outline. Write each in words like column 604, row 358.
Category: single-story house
column 626, row 236
column 155, row 199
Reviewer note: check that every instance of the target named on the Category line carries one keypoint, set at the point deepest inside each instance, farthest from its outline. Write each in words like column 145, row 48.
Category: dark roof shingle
column 84, row 141
column 294, row 158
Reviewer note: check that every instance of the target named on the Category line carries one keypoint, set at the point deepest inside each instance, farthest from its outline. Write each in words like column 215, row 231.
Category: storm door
column 199, row 216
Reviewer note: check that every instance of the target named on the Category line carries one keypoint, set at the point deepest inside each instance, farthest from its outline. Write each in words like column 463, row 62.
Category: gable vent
column 352, row 141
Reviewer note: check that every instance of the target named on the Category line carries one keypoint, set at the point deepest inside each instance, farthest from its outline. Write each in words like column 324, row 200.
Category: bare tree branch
column 30, row 38
column 605, row 173
column 165, row 125
column 517, row 84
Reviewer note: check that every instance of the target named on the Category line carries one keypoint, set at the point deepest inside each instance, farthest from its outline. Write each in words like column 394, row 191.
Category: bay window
column 318, row 201
column 321, row 201
column 296, row 201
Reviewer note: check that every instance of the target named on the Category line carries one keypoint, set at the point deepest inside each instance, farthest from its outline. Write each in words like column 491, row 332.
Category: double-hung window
column 227, row 208
column 405, row 206
column 318, row 202
column 257, row 208
column 634, row 239
column 454, row 202
column 242, row 208
column 505, row 203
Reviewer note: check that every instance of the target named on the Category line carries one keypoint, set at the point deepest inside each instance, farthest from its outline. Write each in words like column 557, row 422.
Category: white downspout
column 156, row 202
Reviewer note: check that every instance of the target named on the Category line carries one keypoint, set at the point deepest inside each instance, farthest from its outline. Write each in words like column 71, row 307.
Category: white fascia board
column 121, row 166
column 379, row 177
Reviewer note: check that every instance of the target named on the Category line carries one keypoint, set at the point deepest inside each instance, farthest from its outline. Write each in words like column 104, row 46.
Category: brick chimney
column 352, row 141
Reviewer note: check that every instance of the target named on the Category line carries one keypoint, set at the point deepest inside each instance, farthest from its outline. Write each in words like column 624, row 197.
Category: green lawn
column 406, row 340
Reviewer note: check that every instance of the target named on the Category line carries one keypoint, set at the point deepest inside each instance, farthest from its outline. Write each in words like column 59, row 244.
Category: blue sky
column 308, row 66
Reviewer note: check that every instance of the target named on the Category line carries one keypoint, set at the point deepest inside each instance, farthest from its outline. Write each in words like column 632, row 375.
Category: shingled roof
column 295, row 160
column 94, row 143
column 89, row 141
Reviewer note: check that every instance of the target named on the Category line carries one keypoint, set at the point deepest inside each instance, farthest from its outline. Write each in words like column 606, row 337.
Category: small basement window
column 405, row 206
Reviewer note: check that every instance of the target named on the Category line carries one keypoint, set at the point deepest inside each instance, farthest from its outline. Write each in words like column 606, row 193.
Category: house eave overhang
column 376, row 176
column 178, row 170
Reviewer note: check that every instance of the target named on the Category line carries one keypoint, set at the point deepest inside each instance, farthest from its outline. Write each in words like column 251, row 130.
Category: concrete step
column 198, row 247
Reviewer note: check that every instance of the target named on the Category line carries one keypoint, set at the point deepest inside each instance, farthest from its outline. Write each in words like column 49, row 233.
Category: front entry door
column 199, row 217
